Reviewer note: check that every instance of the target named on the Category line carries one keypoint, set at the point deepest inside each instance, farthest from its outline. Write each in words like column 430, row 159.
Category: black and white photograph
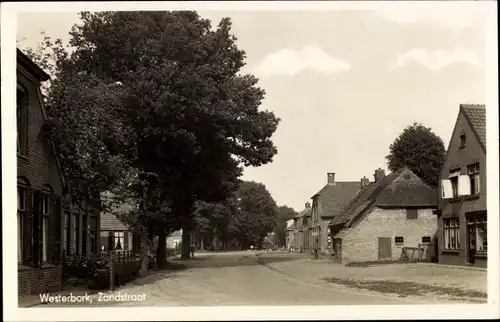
column 261, row 160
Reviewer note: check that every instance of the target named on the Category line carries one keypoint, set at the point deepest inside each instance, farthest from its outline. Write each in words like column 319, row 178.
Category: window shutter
column 125, row 240
column 58, row 231
column 36, row 245
column 464, row 185
column 478, row 184
column 28, row 227
column 111, row 245
column 447, row 190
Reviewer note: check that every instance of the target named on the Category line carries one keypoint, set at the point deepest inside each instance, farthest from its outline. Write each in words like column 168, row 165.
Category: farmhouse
column 385, row 216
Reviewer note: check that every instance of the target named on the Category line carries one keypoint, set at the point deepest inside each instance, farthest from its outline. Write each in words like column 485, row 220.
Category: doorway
column 384, row 248
column 471, row 244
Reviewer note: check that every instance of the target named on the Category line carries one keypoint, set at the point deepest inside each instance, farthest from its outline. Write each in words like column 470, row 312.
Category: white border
column 11, row 312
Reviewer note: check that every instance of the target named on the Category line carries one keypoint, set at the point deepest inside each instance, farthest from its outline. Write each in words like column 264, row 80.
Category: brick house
column 394, row 211
column 114, row 234
column 326, row 204
column 40, row 186
column 302, row 229
column 462, row 215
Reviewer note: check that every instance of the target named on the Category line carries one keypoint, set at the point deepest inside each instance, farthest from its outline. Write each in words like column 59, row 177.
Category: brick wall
column 361, row 243
column 40, row 165
column 38, row 168
column 34, row 281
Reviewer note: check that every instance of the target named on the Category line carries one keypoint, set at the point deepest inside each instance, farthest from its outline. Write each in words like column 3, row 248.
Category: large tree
column 285, row 213
column 193, row 118
column 419, row 149
column 255, row 215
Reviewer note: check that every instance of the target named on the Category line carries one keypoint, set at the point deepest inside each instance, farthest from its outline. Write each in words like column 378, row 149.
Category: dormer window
column 463, row 141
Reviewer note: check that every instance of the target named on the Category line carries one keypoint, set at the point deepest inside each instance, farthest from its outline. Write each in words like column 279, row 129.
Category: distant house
column 326, row 204
column 174, row 239
column 40, row 185
column 462, row 215
column 115, row 235
column 289, row 234
column 302, row 230
column 394, row 211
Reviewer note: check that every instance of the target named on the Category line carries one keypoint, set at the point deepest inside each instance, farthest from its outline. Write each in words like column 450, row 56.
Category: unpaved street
column 239, row 279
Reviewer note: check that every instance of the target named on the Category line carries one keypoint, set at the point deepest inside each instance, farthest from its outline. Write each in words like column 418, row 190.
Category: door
column 471, row 249
column 384, row 248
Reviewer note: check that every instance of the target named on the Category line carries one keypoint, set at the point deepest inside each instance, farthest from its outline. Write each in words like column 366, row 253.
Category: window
column 463, row 140
column 74, row 233
column 92, row 235
column 66, row 236
column 411, row 214
column 21, row 120
column 478, row 233
column 399, row 240
column 454, row 174
column 84, row 231
column 118, row 240
column 45, row 226
column 473, row 172
column 451, row 233
column 426, row 240
column 21, row 215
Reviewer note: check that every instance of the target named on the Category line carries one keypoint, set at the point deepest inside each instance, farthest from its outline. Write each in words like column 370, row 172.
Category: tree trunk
column 143, row 236
column 161, row 251
column 144, row 251
column 186, row 243
column 202, row 248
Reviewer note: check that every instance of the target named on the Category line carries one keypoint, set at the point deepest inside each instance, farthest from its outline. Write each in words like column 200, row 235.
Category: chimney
column 364, row 182
column 308, row 205
column 331, row 178
column 379, row 174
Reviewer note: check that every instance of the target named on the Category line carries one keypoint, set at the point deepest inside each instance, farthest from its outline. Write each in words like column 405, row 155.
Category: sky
column 344, row 83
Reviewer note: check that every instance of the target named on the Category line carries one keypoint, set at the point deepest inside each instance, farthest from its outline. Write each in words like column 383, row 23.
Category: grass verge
column 406, row 288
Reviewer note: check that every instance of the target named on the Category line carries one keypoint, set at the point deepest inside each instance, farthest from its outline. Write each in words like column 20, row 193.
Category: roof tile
column 476, row 114
column 333, row 197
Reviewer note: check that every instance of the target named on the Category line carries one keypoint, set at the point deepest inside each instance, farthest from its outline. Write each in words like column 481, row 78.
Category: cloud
column 290, row 62
column 436, row 60
column 451, row 14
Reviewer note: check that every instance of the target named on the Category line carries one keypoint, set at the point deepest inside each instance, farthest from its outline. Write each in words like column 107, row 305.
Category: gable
column 458, row 155
column 476, row 116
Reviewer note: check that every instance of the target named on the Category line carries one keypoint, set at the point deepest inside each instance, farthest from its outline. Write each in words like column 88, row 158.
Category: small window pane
column 426, row 240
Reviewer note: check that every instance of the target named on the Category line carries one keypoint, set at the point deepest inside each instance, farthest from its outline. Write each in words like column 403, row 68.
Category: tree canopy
column 159, row 95
column 419, row 149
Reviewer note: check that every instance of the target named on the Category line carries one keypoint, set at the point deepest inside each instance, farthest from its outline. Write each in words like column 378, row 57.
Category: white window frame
column 475, row 222
column 21, row 217
column 451, row 233
column 118, row 236
column 473, row 171
column 65, row 232
column 74, row 233
column 454, row 181
column 45, row 226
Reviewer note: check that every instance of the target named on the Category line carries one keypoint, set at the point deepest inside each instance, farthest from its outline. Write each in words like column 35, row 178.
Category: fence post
column 111, row 272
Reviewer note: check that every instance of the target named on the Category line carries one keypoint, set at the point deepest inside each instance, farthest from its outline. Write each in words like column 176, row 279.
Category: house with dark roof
column 394, row 211
column 114, row 233
column 326, row 204
column 302, row 229
column 40, row 187
column 462, row 215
